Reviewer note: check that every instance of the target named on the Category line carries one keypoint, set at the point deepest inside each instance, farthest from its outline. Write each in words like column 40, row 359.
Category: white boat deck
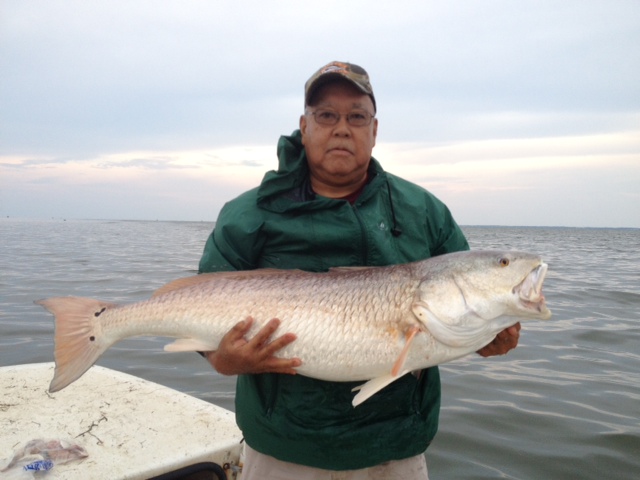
column 131, row 428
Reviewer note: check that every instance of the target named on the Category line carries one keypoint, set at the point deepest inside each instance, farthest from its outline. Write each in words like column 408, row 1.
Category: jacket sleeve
column 451, row 238
column 438, row 227
column 236, row 240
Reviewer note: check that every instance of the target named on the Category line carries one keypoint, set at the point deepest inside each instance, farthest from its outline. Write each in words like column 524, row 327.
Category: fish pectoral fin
column 402, row 358
column 373, row 386
column 190, row 345
column 459, row 336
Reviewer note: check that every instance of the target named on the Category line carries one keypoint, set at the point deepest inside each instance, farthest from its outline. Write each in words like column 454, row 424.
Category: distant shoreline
column 62, row 219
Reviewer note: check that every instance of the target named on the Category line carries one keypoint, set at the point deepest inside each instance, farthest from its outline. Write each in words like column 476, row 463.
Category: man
column 330, row 204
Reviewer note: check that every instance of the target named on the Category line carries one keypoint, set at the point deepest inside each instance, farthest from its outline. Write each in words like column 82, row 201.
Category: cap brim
column 330, row 77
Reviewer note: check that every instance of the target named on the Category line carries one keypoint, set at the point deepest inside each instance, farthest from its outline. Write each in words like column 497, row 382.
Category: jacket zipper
column 363, row 236
column 273, row 395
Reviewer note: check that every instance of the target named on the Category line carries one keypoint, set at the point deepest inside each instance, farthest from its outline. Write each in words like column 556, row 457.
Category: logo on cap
column 333, row 68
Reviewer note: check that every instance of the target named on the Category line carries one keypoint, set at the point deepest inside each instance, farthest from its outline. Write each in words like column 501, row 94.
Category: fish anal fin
column 373, row 386
column 402, row 358
column 190, row 345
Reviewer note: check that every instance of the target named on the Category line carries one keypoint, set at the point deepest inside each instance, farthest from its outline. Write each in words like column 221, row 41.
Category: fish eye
column 504, row 262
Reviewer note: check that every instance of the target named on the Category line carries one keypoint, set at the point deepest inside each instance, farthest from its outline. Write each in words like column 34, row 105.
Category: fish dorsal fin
column 183, row 283
column 349, row 269
column 207, row 277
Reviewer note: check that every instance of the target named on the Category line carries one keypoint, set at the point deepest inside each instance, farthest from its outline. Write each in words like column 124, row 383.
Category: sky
column 512, row 112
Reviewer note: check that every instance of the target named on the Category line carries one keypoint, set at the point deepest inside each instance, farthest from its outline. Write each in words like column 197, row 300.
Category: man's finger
column 240, row 329
column 282, row 365
column 515, row 330
column 264, row 334
column 279, row 343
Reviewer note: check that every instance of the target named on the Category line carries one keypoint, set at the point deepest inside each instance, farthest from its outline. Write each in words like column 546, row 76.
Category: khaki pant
column 258, row 466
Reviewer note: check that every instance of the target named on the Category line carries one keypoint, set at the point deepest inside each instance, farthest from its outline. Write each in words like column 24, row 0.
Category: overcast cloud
column 513, row 113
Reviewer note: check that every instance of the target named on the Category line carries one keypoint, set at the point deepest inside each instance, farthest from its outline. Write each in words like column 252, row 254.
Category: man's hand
column 236, row 355
column 506, row 340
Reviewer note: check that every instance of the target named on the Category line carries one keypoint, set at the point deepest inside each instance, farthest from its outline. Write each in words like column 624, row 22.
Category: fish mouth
column 529, row 292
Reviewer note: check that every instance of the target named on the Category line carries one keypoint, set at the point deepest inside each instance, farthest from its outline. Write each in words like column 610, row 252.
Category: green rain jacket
column 283, row 224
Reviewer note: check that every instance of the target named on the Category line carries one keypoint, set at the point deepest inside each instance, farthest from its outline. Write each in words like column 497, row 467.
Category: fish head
column 471, row 295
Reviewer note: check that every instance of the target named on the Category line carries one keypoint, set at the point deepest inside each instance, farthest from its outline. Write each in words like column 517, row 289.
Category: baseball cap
column 348, row 71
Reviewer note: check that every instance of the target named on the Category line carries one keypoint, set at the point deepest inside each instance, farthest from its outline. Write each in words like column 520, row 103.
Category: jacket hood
column 292, row 168
column 289, row 187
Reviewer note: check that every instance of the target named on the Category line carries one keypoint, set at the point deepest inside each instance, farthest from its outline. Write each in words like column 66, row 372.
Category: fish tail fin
column 79, row 339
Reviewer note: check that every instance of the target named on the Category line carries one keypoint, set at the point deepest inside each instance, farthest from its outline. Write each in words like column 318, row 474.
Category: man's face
column 339, row 154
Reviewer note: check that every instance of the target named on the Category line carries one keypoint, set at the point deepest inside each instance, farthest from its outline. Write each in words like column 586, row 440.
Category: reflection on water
column 564, row 404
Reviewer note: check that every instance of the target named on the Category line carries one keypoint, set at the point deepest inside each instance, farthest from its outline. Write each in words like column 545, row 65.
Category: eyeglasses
column 356, row 118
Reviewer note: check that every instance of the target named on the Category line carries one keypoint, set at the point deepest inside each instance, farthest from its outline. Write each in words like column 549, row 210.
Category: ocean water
column 564, row 405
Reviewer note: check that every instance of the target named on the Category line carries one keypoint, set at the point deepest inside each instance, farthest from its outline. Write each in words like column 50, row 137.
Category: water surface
column 564, row 405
